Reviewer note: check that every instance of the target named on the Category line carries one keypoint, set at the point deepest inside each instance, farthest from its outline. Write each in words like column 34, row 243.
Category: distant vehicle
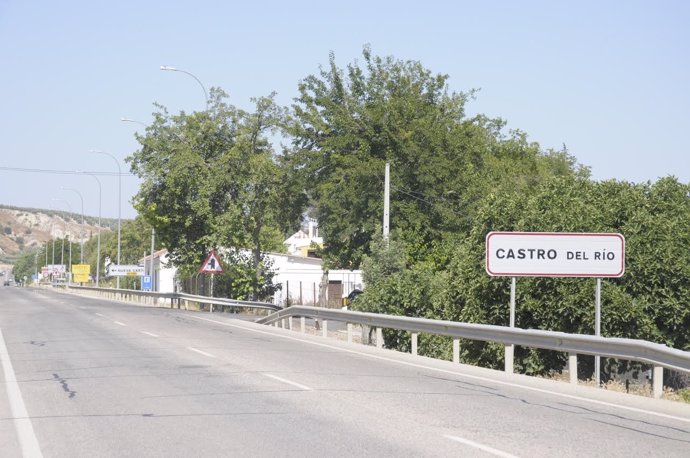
column 6, row 283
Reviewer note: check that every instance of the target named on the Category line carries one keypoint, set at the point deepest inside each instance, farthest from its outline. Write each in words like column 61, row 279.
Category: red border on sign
column 211, row 254
column 557, row 234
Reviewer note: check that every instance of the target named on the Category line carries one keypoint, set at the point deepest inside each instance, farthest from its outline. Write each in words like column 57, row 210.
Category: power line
column 63, row 172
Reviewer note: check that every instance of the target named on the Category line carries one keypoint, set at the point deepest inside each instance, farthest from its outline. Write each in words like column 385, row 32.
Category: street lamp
column 98, row 251
column 64, row 235
column 173, row 69
column 119, row 208
column 81, row 230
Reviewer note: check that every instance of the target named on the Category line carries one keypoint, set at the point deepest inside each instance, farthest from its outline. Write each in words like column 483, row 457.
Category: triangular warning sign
column 212, row 264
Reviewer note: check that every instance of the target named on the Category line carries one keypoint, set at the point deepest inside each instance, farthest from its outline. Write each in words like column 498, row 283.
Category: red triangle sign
column 212, row 264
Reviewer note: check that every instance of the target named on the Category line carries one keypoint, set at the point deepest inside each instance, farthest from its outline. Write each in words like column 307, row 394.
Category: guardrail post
column 290, row 323
column 510, row 349
column 210, row 308
column 658, row 381
column 349, row 332
column 324, row 326
column 303, row 324
column 572, row 367
column 282, row 323
column 456, row 351
column 379, row 338
column 414, row 343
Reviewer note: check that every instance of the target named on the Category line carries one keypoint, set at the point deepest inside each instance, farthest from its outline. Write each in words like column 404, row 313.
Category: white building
column 302, row 279
column 300, row 275
column 301, row 243
column 163, row 277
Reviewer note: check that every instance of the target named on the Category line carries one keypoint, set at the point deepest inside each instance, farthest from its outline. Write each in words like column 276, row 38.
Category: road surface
column 84, row 377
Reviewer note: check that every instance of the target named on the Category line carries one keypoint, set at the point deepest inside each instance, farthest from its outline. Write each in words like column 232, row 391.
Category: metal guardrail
column 630, row 349
column 174, row 298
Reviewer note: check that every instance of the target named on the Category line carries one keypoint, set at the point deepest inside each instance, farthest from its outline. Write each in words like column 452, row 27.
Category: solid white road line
column 289, row 382
column 22, row 422
column 201, row 352
column 457, row 373
column 486, row 448
column 149, row 333
column 121, row 324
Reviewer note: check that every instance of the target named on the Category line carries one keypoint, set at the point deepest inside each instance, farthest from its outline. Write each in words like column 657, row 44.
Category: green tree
column 26, row 264
column 348, row 123
column 211, row 179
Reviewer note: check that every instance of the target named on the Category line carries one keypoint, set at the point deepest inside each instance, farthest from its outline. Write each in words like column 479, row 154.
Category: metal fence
column 658, row 355
column 168, row 299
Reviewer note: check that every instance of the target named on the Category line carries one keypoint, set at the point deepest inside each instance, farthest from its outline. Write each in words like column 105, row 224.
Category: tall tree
column 210, row 180
column 348, row 123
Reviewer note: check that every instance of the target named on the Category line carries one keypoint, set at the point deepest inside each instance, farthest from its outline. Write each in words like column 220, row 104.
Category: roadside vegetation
column 216, row 178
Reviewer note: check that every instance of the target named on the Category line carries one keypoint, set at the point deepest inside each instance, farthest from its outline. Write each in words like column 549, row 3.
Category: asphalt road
column 90, row 378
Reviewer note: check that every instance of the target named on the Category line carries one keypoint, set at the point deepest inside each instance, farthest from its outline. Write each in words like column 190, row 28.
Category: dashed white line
column 121, row 324
column 22, row 421
column 455, row 372
column 289, row 382
column 201, row 352
column 98, row 314
column 149, row 333
column 483, row 447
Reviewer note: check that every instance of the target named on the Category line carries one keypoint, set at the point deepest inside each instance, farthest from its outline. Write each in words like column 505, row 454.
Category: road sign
column 212, row 264
column 55, row 269
column 123, row 270
column 554, row 254
column 81, row 272
column 146, row 282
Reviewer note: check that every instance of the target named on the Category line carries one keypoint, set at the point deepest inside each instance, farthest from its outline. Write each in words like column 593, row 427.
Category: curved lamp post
column 81, row 233
column 174, row 69
column 98, row 250
column 64, row 234
column 119, row 208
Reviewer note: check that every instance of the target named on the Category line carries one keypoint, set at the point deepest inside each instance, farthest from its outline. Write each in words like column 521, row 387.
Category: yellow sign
column 81, row 273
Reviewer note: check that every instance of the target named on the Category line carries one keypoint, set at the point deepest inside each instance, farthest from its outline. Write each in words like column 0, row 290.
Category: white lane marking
column 22, row 422
column 289, row 382
column 121, row 324
column 486, row 448
column 149, row 333
column 98, row 314
column 201, row 352
column 459, row 374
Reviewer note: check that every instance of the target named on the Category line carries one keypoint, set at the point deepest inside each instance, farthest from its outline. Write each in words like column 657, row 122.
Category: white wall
column 299, row 276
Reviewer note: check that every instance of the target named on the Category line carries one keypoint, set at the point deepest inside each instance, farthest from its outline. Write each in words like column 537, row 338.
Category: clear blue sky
column 611, row 80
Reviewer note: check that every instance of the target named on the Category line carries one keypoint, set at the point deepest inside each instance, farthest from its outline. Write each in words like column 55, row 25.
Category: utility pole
column 386, row 202
column 153, row 240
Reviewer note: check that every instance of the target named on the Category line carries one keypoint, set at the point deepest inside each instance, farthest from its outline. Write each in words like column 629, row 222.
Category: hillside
column 26, row 228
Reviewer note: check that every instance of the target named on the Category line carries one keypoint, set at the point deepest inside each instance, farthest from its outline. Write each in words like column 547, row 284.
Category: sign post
column 555, row 254
column 211, row 266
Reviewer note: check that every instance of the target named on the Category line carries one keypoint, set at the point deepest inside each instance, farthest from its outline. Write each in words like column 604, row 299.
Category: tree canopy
column 211, row 179
column 347, row 123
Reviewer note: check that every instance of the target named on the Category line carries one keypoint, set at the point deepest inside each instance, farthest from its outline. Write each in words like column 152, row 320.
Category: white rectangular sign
column 554, row 254
column 123, row 270
column 55, row 269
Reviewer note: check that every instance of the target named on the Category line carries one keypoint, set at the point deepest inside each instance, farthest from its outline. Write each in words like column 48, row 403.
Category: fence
column 658, row 355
